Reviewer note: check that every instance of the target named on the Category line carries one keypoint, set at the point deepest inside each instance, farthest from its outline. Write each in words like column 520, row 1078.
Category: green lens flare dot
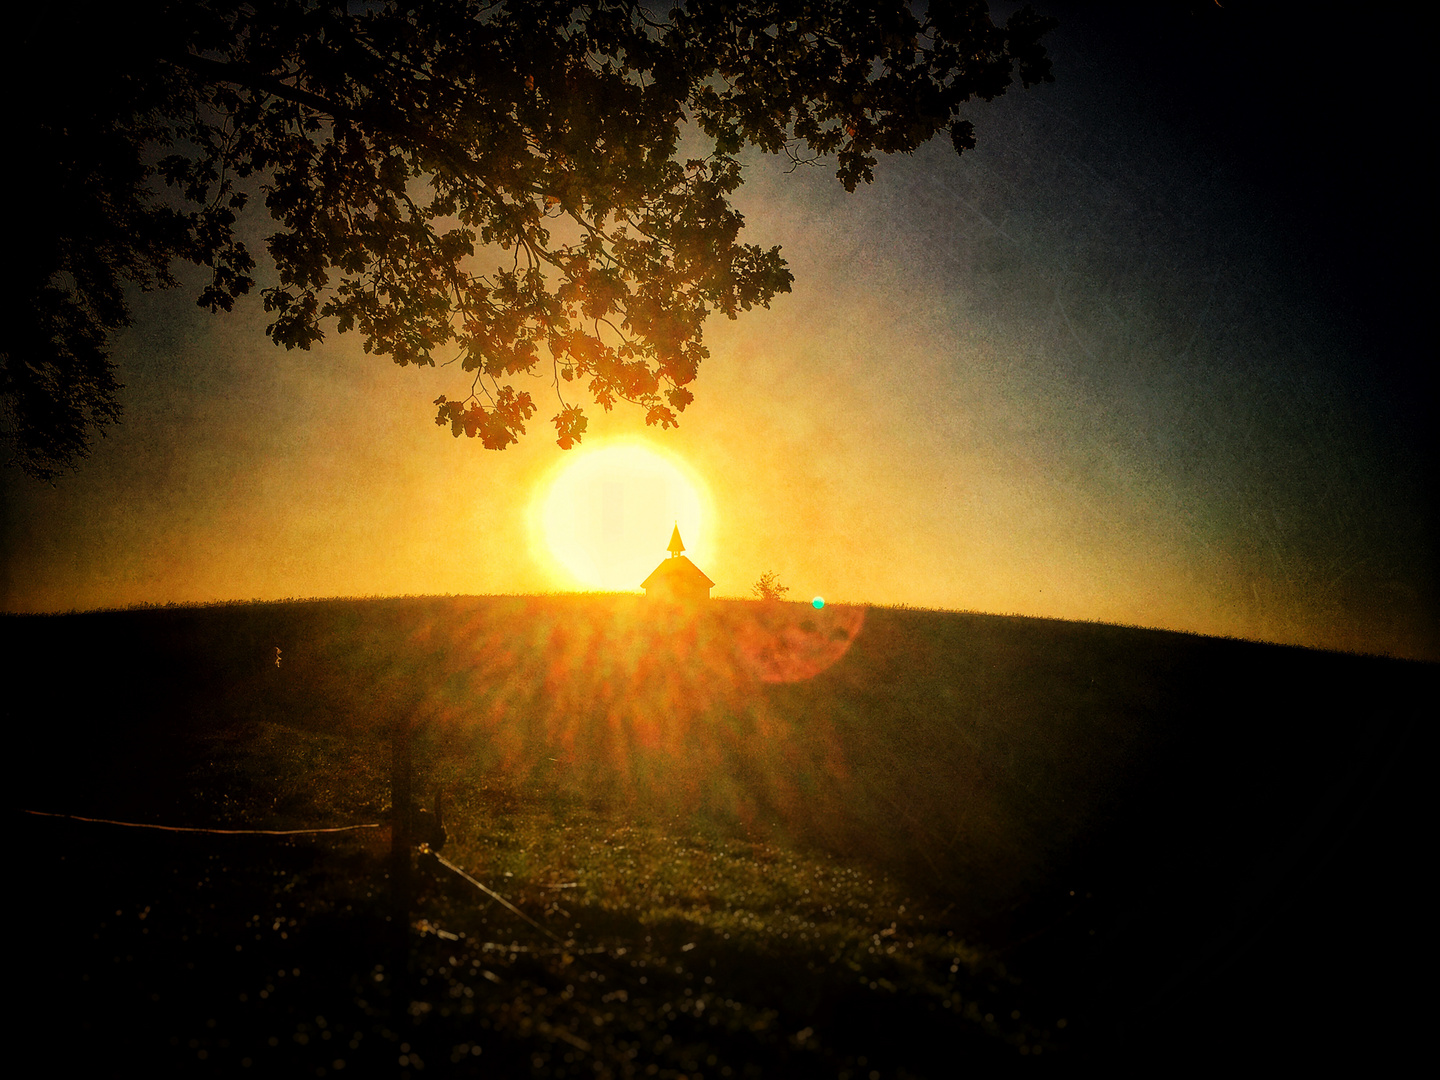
column 818, row 602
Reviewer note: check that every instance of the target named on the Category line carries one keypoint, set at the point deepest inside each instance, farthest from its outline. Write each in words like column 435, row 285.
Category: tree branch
column 253, row 78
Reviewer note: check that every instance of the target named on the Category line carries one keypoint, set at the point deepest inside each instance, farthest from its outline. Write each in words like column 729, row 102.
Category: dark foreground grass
column 667, row 949
column 946, row 842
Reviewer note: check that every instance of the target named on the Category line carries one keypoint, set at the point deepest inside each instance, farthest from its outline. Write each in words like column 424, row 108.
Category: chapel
column 677, row 579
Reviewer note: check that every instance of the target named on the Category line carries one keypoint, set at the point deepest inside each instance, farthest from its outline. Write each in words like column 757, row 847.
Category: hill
column 1176, row 845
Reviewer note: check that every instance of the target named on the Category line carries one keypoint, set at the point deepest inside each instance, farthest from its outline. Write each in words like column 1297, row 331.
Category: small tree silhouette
column 767, row 588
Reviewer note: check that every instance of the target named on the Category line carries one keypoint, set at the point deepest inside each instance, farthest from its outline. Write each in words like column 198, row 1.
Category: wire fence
column 208, row 831
column 423, row 849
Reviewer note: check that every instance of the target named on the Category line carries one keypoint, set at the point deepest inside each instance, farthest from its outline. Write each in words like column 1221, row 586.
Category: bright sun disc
column 607, row 515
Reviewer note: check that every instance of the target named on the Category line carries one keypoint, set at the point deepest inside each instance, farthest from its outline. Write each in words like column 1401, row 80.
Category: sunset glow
column 1077, row 373
column 606, row 515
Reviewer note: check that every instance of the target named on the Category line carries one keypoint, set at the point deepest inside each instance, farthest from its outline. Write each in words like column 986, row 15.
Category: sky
column 1151, row 354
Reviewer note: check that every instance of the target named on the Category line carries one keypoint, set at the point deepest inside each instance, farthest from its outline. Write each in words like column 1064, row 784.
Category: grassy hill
column 760, row 840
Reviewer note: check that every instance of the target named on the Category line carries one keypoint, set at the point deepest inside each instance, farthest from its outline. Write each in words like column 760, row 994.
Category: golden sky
column 1071, row 374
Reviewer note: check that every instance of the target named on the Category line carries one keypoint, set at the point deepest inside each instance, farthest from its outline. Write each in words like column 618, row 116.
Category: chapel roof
column 677, row 570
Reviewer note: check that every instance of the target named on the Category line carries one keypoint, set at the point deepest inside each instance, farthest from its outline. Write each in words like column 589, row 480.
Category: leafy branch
column 420, row 163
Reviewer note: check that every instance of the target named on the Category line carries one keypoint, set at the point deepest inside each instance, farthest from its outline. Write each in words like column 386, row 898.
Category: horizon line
column 183, row 605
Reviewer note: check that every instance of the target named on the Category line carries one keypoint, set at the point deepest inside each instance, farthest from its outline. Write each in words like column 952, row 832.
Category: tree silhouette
column 523, row 186
column 769, row 587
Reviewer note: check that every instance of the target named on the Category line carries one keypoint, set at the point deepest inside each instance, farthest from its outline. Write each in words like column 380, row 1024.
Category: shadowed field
column 761, row 840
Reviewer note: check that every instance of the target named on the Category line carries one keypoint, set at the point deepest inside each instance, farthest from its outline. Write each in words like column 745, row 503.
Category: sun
column 606, row 515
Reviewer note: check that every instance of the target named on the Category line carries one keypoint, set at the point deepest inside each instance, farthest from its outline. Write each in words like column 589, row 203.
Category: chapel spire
column 676, row 545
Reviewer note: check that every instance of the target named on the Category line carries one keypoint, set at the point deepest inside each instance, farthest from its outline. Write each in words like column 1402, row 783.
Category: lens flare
column 596, row 697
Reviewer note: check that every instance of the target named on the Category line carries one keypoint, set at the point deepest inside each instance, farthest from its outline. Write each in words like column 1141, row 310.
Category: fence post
column 402, row 827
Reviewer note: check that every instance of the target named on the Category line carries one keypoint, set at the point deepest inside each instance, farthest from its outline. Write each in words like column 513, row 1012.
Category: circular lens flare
column 607, row 516
column 818, row 603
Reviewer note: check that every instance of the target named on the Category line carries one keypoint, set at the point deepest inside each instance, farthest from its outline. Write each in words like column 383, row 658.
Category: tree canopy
column 527, row 187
